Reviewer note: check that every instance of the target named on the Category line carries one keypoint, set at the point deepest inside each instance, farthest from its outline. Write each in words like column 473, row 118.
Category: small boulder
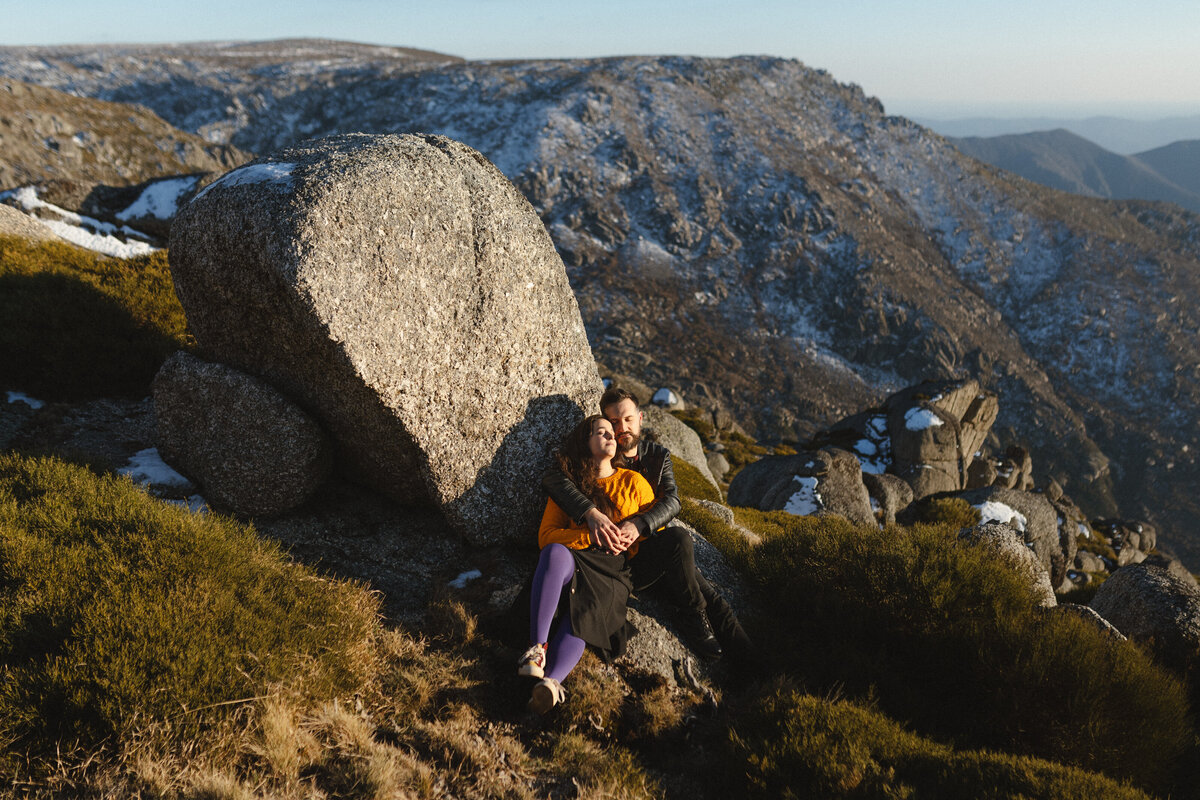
column 718, row 465
column 1009, row 546
column 676, row 436
column 1032, row 516
column 827, row 481
column 252, row 450
column 889, row 495
column 1151, row 606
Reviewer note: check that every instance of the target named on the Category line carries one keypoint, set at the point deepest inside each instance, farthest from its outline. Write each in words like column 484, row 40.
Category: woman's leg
column 555, row 568
column 564, row 653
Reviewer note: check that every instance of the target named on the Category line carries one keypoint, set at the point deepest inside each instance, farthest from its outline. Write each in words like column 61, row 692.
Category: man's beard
column 625, row 445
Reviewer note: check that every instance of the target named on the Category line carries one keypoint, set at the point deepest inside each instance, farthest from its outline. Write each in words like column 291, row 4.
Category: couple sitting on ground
column 605, row 534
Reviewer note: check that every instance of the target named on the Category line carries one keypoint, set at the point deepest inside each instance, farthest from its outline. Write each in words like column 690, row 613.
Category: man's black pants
column 667, row 561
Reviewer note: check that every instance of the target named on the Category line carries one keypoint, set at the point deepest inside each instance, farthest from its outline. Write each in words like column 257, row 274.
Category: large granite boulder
column 251, row 449
column 827, row 481
column 1150, row 605
column 682, row 441
column 403, row 291
column 936, row 428
column 889, row 495
column 1009, row 547
column 1032, row 516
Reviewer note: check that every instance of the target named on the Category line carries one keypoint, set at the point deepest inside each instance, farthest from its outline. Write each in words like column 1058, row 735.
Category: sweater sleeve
column 557, row 528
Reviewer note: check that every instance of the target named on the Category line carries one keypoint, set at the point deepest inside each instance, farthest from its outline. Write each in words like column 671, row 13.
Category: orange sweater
column 628, row 490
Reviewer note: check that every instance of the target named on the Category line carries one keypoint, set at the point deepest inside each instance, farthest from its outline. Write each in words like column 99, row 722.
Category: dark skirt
column 597, row 599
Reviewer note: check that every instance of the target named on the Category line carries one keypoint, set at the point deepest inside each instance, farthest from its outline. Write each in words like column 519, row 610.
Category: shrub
column 950, row 639
column 76, row 324
column 116, row 607
column 693, row 484
column 793, row 745
column 952, row 512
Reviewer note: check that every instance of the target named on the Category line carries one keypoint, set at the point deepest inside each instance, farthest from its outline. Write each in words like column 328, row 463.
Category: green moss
column 693, row 484
column 118, row 608
column 75, row 324
column 698, row 421
column 796, row 746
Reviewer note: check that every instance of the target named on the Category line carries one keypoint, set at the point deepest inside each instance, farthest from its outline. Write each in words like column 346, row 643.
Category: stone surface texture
column 770, row 482
column 682, row 441
column 1041, row 525
column 252, row 450
column 403, row 291
column 1150, row 605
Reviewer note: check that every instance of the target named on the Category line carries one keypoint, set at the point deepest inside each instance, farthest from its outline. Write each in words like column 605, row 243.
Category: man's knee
column 679, row 540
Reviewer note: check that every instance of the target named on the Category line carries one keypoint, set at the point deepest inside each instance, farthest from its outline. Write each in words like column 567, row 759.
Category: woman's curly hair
column 575, row 460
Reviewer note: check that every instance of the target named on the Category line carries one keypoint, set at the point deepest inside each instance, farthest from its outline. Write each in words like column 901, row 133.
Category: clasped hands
column 607, row 534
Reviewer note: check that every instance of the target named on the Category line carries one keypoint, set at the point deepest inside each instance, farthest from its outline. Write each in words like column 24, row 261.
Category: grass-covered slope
column 77, row 325
column 948, row 640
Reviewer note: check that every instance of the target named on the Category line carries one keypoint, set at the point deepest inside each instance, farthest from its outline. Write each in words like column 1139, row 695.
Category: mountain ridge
column 769, row 240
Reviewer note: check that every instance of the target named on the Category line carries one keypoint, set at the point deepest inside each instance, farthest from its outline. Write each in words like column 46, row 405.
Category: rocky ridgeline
column 389, row 305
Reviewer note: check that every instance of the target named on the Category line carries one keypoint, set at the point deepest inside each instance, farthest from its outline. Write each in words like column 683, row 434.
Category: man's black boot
column 699, row 635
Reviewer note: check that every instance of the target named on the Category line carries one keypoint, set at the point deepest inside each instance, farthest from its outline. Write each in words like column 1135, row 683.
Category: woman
column 576, row 576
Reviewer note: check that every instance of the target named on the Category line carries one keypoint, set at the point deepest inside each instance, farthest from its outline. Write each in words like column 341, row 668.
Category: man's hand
column 604, row 532
column 628, row 533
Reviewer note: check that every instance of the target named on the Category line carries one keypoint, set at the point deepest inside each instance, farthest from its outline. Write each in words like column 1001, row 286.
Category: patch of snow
column 275, row 172
column 991, row 511
column 919, row 419
column 99, row 242
column 464, row 578
column 86, row 232
column 194, row 503
column 160, row 199
column 806, row 501
column 147, row 468
column 21, row 397
column 1084, row 530
column 665, row 397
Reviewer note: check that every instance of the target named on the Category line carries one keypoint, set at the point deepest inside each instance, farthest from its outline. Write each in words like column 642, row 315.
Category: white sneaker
column 533, row 663
column 546, row 695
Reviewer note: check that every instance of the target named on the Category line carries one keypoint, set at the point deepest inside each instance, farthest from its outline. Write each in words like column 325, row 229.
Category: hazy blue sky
column 921, row 58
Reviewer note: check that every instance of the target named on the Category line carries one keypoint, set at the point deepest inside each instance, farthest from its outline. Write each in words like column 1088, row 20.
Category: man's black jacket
column 654, row 464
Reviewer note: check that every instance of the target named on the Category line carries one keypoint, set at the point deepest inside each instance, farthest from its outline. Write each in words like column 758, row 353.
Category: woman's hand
column 604, row 532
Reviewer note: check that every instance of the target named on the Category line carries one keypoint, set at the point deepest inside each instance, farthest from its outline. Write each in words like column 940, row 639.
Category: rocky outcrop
column 1150, row 605
column 682, row 441
column 405, row 293
column 1010, row 547
column 252, row 450
column 1032, row 516
column 14, row 223
column 827, row 481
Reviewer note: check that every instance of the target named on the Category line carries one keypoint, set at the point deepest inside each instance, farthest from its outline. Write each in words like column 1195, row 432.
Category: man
column 665, row 557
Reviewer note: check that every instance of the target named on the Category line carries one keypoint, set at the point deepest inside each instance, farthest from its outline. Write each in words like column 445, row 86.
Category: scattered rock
column 405, row 293
column 16, row 223
column 252, row 450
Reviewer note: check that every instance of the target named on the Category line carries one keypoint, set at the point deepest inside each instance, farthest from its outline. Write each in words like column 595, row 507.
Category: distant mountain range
column 1124, row 136
column 764, row 238
column 1062, row 160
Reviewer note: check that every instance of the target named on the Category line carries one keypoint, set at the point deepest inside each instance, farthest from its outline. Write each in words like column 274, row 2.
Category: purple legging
column 555, row 567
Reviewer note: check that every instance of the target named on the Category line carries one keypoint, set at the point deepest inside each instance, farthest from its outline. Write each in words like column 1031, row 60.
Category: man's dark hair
column 614, row 395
